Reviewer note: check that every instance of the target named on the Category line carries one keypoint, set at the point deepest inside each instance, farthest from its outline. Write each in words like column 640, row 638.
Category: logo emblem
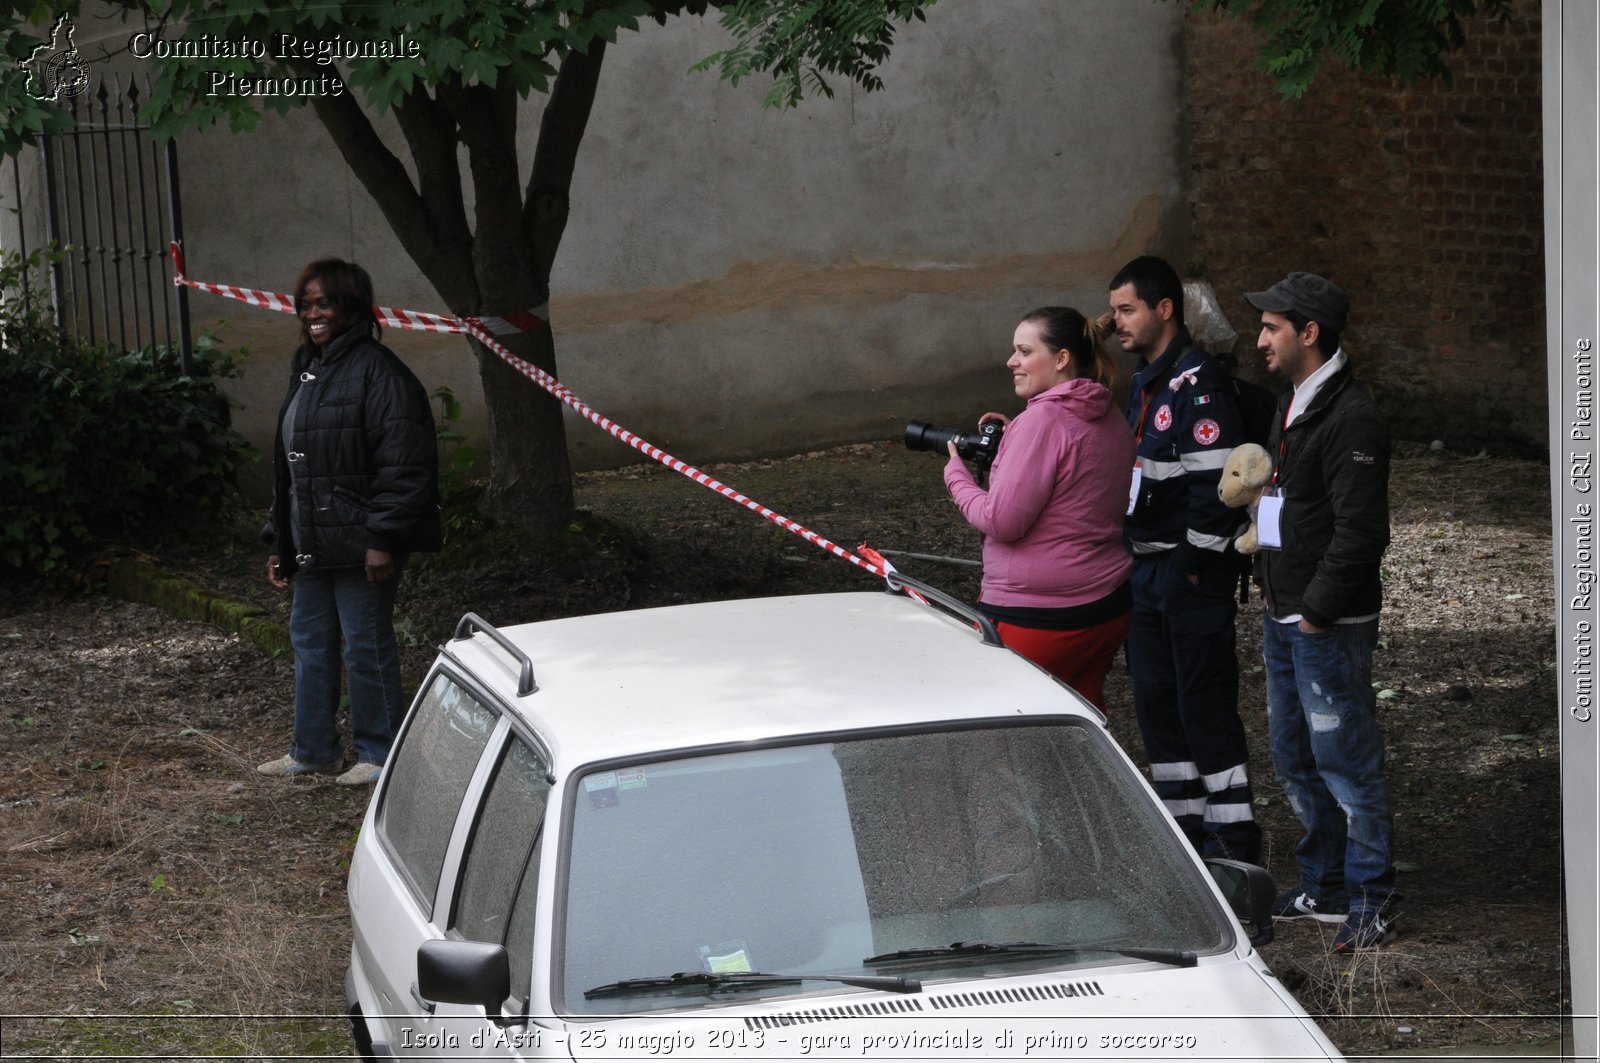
column 56, row 69
column 1206, row 432
column 1163, row 418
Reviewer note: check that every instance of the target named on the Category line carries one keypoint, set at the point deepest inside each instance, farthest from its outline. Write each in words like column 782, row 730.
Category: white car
column 827, row 825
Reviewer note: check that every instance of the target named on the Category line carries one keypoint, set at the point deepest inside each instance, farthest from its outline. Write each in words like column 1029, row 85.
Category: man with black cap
column 1324, row 525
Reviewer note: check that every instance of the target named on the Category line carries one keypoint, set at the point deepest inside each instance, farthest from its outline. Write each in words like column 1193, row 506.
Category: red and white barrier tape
column 484, row 329
column 525, row 321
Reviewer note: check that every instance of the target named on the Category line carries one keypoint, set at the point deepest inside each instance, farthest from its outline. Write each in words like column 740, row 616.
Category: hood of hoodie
column 1083, row 398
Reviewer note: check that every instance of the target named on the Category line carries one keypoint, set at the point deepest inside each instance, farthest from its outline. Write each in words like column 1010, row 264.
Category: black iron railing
column 111, row 204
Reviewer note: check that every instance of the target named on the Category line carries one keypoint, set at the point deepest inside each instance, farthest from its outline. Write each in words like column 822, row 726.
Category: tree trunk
column 531, row 474
column 531, row 477
column 499, row 261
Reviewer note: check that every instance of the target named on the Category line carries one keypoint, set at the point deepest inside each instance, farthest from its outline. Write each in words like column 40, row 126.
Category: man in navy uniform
column 1185, row 415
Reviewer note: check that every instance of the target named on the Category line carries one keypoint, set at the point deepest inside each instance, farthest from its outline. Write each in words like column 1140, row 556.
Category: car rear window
column 500, row 878
column 429, row 771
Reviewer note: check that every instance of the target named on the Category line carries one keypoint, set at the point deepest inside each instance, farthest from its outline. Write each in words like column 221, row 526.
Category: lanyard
column 1283, row 443
column 1138, row 434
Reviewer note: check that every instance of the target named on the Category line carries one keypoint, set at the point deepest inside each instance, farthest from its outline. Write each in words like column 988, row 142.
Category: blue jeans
column 340, row 616
column 1328, row 753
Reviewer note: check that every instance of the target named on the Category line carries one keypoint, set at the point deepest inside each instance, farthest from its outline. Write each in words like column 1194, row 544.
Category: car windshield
column 811, row 859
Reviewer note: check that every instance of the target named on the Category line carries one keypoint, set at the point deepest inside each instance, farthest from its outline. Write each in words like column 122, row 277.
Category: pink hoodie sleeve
column 1019, row 486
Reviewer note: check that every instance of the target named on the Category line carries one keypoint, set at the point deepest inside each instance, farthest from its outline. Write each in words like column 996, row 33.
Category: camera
column 977, row 447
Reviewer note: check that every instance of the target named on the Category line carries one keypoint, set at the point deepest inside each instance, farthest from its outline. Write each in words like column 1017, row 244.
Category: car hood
column 1233, row 1010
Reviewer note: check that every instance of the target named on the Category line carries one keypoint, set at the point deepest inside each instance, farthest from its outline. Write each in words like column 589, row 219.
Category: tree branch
column 566, row 117
column 381, row 173
column 487, row 118
column 430, row 134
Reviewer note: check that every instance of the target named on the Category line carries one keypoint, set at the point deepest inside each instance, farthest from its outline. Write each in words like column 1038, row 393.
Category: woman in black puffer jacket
column 355, row 490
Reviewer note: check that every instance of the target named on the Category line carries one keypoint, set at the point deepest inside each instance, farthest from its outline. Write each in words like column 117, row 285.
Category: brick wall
column 1424, row 203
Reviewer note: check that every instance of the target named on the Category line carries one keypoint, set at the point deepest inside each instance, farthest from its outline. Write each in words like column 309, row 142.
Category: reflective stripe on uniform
column 1238, row 775
column 1194, row 806
column 1208, row 542
column 1230, row 812
column 1204, row 460
column 1151, row 469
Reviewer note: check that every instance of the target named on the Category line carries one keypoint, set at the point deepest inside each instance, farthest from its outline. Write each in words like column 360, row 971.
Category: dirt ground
column 160, row 898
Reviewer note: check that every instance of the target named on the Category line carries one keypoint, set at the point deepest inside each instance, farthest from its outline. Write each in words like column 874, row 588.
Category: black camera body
column 978, row 447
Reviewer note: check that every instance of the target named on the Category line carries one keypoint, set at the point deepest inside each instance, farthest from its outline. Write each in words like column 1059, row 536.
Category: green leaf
column 1402, row 38
column 449, row 405
column 799, row 43
column 78, row 453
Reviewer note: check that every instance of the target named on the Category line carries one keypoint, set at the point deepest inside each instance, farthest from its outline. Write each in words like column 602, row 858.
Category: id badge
column 1133, row 490
column 1269, row 514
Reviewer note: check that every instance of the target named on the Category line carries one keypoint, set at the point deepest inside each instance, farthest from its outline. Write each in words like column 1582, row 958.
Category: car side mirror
column 1249, row 891
column 471, row 973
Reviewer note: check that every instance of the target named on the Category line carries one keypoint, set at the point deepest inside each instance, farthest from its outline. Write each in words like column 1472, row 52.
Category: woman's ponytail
column 1062, row 327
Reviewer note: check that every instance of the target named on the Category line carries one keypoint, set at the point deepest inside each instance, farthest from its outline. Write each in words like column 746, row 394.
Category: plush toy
column 1244, row 477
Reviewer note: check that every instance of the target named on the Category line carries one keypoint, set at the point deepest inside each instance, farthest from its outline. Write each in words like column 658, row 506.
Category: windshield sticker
column 632, row 780
column 602, row 789
column 730, row 957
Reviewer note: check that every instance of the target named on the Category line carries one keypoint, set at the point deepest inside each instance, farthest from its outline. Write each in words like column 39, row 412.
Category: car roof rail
column 472, row 623
column 900, row 583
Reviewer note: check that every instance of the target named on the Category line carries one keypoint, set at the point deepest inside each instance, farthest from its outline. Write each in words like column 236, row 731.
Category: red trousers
column 1079, row 658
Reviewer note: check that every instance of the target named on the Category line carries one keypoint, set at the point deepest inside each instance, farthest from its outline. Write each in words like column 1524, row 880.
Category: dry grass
column 148, row 871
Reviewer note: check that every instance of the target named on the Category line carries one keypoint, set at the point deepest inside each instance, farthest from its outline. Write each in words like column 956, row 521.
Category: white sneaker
column 363, row 774
column 286, row 767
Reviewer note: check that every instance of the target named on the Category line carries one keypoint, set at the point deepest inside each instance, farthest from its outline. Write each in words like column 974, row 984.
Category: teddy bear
column 1244, row 478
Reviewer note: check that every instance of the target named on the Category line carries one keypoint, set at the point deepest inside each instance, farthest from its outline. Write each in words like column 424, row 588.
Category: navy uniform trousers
column 1186, row 700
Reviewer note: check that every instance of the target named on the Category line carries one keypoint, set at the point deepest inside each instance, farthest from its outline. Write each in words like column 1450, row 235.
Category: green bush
column 459, row 488
column 98, row 444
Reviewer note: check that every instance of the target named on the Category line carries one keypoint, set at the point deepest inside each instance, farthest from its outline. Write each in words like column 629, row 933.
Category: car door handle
column 422, row 1002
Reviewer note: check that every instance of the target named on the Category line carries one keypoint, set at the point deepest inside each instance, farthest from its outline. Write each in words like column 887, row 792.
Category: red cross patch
column 1163, row 418
column 1206, row 432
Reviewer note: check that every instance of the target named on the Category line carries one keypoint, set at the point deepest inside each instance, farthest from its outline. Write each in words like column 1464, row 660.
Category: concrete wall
column 1572, row 229
column 736, row 281
column 764, row 280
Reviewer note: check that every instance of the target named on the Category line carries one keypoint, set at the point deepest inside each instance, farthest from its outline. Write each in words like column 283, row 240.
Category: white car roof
column 636, row 682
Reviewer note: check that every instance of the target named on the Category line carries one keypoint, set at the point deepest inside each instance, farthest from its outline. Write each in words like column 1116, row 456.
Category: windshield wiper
column 980, row 948
column 746, row 979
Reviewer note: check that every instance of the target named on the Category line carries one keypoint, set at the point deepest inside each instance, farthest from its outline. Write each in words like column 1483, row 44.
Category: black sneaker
column 1299, row 904
column 1365, row 929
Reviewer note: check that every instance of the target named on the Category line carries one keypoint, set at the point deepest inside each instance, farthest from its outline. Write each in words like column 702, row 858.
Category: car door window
column 499, row 883
column 429, row 771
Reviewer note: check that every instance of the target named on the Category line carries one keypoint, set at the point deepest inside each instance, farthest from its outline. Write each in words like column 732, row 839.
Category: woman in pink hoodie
column 1055, row 570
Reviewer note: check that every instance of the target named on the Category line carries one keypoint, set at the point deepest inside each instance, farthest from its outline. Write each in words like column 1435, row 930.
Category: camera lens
column 920, row 435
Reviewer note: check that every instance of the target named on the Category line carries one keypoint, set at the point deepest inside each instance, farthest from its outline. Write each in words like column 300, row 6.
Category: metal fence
column 110, row 204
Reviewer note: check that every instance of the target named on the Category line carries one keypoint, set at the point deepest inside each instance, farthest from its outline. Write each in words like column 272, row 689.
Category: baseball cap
column 1307, row 294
